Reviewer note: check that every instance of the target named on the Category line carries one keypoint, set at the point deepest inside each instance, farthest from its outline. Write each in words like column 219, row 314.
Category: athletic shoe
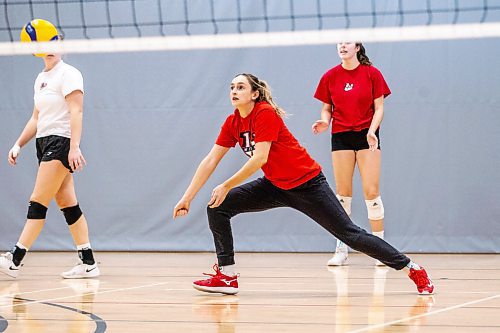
column 218, row 283
column 82, row 271
column 338, row 259
column 7, row 266
column 422, row 280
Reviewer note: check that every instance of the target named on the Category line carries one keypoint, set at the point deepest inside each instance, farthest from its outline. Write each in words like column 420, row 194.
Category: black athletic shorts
column 352, row 140
column 53, row 147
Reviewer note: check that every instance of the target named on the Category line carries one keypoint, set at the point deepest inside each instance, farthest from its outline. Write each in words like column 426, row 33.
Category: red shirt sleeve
column 322, row 91
column 380, row 87
column 267, row 125
column 226, row 137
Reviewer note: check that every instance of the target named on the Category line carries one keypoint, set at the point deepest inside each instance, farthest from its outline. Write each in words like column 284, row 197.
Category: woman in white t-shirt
column 57, row 124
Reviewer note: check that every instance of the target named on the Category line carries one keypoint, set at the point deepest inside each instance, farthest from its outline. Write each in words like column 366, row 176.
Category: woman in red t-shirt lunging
column 291, row 179
column 353, row 101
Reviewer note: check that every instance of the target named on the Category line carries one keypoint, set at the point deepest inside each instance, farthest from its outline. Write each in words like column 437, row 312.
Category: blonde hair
column 264, row 93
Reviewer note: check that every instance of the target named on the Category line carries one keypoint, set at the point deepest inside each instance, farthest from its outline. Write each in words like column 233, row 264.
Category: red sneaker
column 218, row 283
column 422, row 280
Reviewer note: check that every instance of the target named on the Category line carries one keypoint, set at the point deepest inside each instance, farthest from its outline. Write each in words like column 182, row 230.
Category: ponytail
column 361, row 55
column 264, row 93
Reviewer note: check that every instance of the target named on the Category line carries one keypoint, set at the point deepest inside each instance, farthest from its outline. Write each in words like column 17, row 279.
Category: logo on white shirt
column 43, row 85
column 348, row 86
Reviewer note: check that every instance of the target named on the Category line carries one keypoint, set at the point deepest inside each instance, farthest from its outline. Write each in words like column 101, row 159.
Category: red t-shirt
column 288, row 164
column 351, row 92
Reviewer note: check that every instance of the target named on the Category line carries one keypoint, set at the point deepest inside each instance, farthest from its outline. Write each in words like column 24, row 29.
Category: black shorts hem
column 352, row 140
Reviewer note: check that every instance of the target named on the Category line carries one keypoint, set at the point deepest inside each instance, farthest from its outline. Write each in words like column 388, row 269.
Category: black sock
column 86, row 256
column 18, row 255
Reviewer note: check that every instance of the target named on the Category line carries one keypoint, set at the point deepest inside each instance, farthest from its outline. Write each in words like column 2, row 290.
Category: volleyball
column 39, row 30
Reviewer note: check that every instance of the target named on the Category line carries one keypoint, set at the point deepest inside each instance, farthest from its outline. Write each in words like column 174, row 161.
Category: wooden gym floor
column 279, row 292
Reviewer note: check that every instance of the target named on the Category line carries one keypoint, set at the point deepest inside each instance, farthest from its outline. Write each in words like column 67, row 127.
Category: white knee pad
column 375, row 208
column 346, row 203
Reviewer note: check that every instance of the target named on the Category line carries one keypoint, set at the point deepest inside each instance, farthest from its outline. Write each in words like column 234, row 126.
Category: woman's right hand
column 182, row 208
column 13, row 154
column 320, row 126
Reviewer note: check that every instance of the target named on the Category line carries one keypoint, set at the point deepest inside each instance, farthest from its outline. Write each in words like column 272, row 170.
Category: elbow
column 261, row 161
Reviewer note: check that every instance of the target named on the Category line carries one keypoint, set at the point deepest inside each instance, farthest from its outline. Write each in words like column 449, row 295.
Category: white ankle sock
column 413, row 265
column 21, row 246
column 83, row 246
column 379, row 234
column 341, row 246
column 228, row 270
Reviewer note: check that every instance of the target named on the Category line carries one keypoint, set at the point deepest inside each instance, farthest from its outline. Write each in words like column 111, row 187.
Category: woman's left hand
column 76, row 160
column 372, row 140
column 218, row 195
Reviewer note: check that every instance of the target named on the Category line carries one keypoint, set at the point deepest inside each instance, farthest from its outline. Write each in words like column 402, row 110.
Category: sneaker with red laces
column 422, row 280
column 218, row 283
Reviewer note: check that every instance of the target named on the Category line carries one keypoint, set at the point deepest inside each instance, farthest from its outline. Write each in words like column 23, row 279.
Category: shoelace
column 216, row 268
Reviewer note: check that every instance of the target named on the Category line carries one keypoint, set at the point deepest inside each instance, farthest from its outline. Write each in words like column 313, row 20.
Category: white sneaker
column 338, row 259
column 82, row 271
column 7, row 266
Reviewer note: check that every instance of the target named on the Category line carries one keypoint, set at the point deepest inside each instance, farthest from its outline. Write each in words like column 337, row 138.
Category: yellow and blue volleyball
column 39, row 31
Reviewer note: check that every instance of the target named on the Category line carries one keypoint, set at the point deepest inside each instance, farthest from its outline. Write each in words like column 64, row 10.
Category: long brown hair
column 361, row 55
column 264, row 92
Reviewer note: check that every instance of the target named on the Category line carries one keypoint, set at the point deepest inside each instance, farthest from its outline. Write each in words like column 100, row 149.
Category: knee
column 345, row 201
column 371, row 193
column 375, row 208
column 36, row 211
column 64, row 200
column 72, row 214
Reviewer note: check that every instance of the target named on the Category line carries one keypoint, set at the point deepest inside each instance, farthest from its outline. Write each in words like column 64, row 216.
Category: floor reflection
column 220, row 309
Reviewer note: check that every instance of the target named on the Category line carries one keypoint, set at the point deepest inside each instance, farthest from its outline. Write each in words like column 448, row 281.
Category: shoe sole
column 344, row 263
column 81, row 276
column 217, row 290
column 7, row 273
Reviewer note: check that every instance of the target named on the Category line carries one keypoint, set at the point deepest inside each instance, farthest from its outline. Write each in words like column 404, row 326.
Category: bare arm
column 258, row 159
column 326, row 117
column 75, row 106
column 27, row 134
column 376, row 121
column 203, row 172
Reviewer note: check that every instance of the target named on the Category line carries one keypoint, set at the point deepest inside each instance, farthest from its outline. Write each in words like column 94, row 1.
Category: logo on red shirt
column 348, row 86
column 248, row 145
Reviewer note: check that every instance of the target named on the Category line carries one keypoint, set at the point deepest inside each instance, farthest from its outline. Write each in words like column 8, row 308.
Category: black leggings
column 314, row 198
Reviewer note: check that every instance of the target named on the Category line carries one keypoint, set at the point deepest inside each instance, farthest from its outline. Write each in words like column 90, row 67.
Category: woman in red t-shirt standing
column 353, row 101
column 291, row 179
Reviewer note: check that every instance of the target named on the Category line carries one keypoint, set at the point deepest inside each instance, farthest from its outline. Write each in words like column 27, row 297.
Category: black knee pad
column 36, row 211
column 72, row 214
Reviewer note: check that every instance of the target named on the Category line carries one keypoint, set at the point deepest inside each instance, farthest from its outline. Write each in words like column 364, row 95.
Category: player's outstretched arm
column 204, row 171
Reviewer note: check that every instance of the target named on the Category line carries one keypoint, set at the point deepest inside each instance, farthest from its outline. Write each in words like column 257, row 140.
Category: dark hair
column 264, row 92
column 361, row 55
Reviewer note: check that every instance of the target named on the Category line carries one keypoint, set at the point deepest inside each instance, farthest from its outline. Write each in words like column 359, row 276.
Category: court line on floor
column 76, row 295
column 378, row 326
column 3, row 324
column 100, row 324
column 33, row 291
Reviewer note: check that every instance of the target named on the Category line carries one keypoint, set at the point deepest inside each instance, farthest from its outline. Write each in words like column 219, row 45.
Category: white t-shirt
column 51, row 88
